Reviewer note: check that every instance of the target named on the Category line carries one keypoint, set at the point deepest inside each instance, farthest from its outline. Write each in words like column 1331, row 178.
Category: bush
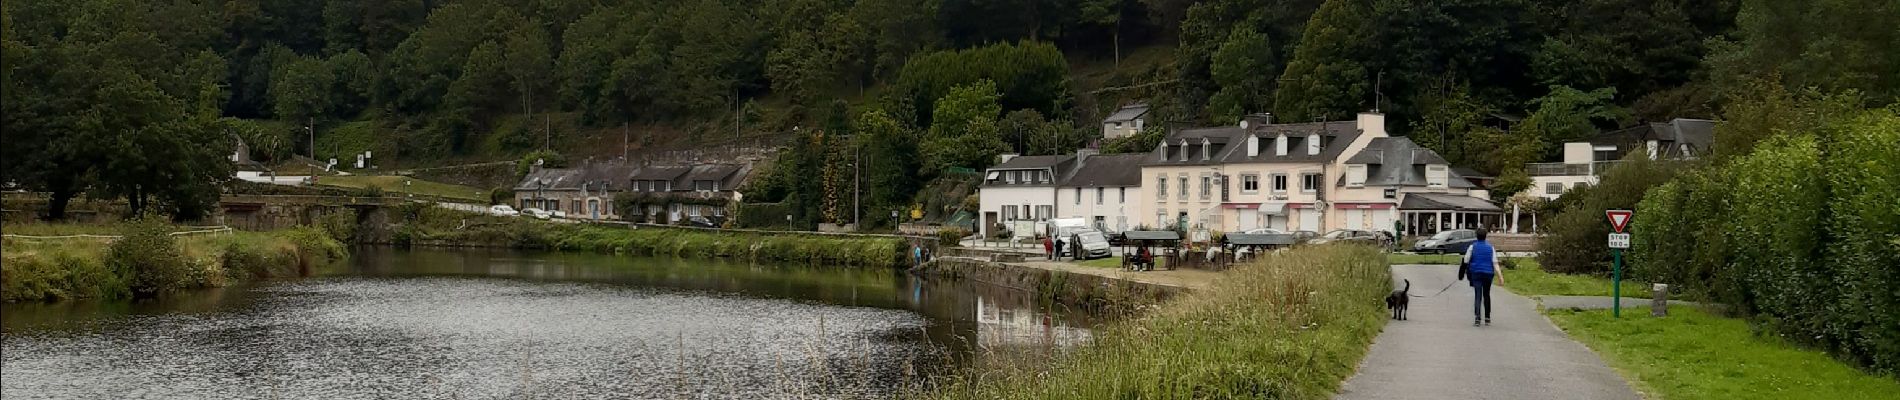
column 150, row 260
column 1574, row 240
column 1796, row 234
column 951, row 237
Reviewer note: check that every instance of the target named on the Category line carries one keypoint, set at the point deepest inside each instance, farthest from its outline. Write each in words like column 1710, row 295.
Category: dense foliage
column 1795, row 232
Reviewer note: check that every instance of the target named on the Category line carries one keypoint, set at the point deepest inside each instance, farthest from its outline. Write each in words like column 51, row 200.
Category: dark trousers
column 1481, row 288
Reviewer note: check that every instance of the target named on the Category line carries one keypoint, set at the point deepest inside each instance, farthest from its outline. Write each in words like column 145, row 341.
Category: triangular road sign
column 1619, row 219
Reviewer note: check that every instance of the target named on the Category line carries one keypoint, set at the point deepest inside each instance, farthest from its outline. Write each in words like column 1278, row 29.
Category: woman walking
column 1481, row 263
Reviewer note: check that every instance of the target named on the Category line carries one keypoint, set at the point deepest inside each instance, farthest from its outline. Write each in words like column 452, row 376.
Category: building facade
column 1679, row 139
column 1020, row 191
column 1128, row 120
column 1102, row 189
column 583, row 192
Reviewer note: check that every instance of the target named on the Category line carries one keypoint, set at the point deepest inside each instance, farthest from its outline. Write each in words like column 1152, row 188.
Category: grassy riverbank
column 858, row 251
column 1292, row 325
column 1692, row 354
column 145, row 259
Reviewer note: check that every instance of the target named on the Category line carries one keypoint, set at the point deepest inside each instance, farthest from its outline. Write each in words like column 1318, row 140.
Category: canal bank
column 55, row 262
column 493, row 323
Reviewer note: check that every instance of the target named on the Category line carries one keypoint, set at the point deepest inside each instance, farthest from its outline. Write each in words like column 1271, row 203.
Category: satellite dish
column 539, row 161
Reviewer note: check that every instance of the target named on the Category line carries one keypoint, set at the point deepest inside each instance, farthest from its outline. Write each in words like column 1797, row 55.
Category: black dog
column 1399, row 300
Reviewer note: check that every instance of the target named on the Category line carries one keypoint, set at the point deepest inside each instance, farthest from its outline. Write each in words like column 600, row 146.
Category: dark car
column 1452, row 241
column 702, row 222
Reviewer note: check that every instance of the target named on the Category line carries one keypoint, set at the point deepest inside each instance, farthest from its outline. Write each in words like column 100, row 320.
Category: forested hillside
column 131, row 98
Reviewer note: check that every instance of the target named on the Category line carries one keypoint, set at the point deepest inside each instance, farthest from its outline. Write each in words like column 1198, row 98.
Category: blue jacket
column 1483, row 258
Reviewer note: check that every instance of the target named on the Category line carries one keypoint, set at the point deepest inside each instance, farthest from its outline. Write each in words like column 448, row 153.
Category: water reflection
column 488, row 324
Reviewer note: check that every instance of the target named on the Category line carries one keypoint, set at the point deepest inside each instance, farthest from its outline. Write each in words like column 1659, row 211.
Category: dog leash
column 1440, row 291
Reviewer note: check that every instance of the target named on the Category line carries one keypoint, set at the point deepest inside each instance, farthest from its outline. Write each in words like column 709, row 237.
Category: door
column 1355, row 219
column 1309, row 220
column 1249, row 220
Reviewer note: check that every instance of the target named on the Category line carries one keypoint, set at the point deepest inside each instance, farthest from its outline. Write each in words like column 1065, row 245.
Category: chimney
column 1082, row 155
column 1003, row 158
column 1372, row 124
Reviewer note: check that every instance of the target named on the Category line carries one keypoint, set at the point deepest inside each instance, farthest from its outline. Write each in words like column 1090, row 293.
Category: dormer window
column 1279, row 145
column 1312, row 144
column 1356, row 175
column 1253, row 146
column 1437, row 175
column 1184, row 150
column 1204, row 147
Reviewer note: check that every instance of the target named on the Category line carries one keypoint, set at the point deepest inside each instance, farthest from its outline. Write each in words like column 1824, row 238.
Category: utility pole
column 547, row 132
column 312, row 129
column 626, row 140
column 857, row 193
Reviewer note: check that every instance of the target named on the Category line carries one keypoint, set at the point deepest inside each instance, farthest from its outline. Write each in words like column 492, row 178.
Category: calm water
column 490, row 324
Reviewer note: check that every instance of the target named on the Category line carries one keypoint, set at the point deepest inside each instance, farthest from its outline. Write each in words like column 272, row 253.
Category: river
column 500, row 324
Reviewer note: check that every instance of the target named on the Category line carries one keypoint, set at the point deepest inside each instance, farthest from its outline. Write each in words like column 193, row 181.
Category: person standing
column 1481, row 264
column 1049, row 248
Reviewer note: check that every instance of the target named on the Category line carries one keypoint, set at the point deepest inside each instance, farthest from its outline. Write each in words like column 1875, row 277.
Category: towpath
column 1437, row 354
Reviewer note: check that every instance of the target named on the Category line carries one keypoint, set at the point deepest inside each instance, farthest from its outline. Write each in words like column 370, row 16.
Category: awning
column 1273, row 208
column 1151, row 235
column 1447, row 202
column 1362, row 206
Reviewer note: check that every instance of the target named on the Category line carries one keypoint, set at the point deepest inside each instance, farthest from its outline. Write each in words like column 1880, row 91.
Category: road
column 1437, row 354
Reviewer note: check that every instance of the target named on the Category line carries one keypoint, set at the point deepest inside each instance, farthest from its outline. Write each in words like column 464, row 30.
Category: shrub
column 1574, row 240
column 149, row 258
column 951, row 237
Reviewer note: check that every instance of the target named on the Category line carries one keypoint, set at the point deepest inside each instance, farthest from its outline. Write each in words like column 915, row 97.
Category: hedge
column 1798, row 235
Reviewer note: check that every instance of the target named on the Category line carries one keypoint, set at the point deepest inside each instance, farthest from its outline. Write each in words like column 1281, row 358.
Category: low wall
column 1513, row 243
column 1089, row 292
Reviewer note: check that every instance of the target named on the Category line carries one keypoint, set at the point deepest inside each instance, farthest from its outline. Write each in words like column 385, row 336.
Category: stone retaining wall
column 1089, row 292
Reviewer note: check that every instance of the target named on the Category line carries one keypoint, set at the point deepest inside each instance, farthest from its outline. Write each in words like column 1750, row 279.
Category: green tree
column 1832, row 45
column 964, row 133
column 354, row 77
column 1570, row 115
column 891, row 161
column 301, row 90
column 1328, row 76
column 526, row 58
column 1237, row 70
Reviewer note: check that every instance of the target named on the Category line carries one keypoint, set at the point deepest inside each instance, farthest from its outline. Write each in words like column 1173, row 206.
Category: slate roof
column 1107, row 170
column 1699, row 134
column 1446, row 202
column 1128, row 113
column 1397, row 161
column 1033, row 162
column 660, row 173
column 550, row 179
column 1217, row 137
column 1335, row 136
column 710, row 172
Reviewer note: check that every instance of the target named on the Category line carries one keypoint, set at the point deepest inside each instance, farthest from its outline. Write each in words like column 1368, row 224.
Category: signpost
column 1619, row 241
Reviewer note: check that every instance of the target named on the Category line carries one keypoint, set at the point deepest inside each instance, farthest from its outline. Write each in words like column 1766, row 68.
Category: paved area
column 1599, row 302
column 1437, row 354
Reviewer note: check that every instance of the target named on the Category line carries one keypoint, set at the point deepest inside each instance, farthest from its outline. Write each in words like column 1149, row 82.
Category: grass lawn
column 394, row 184
column 1530, row 279
column 1694, row 355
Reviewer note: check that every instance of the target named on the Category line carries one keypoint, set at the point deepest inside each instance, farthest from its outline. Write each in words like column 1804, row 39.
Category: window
column 1249, row 183
column 1437, row 176
column 1161, row 184
column 1100, row 192
column 1309, row 183
column 1356, row 175
column 1279, row 183
column 1184, row 186
column 1078, row 196
column 1012, row 176
column 1124, row 196
column 1043, row 212
column 1009, row 212
column 1554, row 188
column 1207, row 186
column 1161, row 219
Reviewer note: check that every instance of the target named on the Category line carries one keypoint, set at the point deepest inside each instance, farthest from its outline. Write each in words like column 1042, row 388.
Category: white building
column 1103, row 189
column 1582, row 161
column 1020, row 191
column 1128, row 120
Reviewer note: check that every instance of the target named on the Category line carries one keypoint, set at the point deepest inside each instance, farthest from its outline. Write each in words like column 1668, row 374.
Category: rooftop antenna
column 1377, row 95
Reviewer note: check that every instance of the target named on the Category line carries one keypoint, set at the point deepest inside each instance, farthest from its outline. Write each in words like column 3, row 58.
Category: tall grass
column 813, row 249
column 1291, row 325
column 147, row 261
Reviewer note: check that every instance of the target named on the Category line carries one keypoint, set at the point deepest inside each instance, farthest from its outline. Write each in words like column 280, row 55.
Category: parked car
column 1092, row 243
column 1263, row 231
column 503, row 210
column 1348, row 236
column 1304, row 236
column 537, row 213
column 702, row 222
column 1452, row 241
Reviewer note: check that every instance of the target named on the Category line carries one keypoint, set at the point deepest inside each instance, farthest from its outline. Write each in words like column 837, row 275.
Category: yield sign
column 1619, row 219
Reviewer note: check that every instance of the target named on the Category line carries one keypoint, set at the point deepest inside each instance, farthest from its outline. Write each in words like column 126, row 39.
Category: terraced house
column 1316, row 176
column 673, row 193
column 583, row 192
